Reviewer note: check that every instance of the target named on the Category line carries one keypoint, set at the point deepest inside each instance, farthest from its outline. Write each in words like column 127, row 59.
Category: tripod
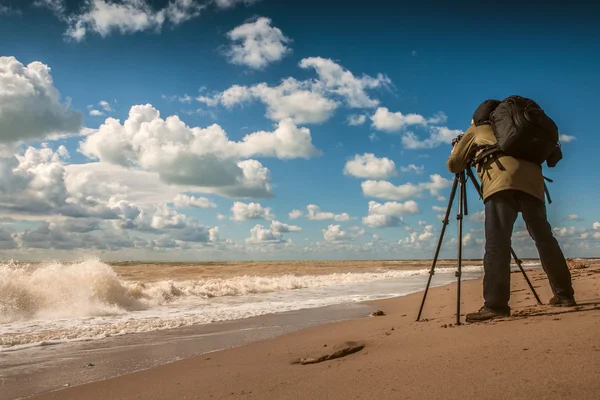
column 460, row 180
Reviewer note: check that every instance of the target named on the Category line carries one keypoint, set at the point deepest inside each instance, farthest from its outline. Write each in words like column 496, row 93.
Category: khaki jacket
column 520, row 174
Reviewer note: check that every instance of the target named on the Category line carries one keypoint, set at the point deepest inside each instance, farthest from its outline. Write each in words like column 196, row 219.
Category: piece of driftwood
column 338, row 354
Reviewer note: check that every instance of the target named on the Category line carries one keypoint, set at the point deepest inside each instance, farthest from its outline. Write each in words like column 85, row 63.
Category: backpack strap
column 546, row 190
column 487, row 151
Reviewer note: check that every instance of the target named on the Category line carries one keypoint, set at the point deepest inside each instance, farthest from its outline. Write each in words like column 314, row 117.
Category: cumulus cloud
column 201, row 157
column 280, row 227
column 391, row 122
column 315, row 213
column 7, row 240
column 231, row 3
column 105, row 105
column 58, row 236
column 418, row 240
column 335, row 233
column 243, row 212
column 357, row 119
column 413, row 168
column 260, row 234
column 34, row 183
column 479, row 216
column 596, row 225
column 369, row 166
column 273, row 234
column 6, row 10
column 308, row 101
column 389, row 214
column 182, row 200
column 338, row 80
column 387, row 121
column 437, row 136
column 567, row 138
column 387, row 190
column 295, row 214
column 257, row 44
column 30, row 106
column 573, row 217
column 290, row 99
column 106, row 17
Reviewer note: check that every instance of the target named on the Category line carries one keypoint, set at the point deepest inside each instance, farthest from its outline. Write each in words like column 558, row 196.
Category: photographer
column 509, row 186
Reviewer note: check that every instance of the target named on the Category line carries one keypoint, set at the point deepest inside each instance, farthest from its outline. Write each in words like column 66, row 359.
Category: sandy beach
column 539, row 352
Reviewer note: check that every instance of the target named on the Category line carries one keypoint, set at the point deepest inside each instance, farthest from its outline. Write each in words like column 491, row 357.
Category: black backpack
column 524, row 131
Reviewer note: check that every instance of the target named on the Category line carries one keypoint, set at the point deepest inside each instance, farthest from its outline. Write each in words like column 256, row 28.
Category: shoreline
column 125, row 354
column 398, row 350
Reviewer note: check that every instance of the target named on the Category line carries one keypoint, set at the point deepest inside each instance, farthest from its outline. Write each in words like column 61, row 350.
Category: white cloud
column 596, row 225
column 6, row 10
column 295, row 214
column 412, row 167
column 373, row 137
column 479, row 216
column 357, row 119
column 182, row 200
column 30, row 104
column 280, row 227
column 387, row 121
column 335, row 233
column 261, row 44
column 104, row 181
column 96, row 113
column 260, row 234
column 574, row 217
column 105, row 105
column 7, row 239
column 290, row 99
column 369, row 166
column 202, row 157
column 221, row 217
column 243, row 212
column 418, row 240
column 437, row 136
column 231, row 3
column 315, row 213
column 389, row 214
column 34, row 183
column 390, row 122
column 338, row 80
column 286, row 141
column 309, row 101
column 105, row 17
column 387, row 190
column 567, row 138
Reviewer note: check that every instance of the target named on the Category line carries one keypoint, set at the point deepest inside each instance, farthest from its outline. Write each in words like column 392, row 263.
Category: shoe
column 562, row 302
column 485, row 314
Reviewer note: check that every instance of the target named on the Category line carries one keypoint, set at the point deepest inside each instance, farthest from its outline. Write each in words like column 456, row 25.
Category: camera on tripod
column 457, row 139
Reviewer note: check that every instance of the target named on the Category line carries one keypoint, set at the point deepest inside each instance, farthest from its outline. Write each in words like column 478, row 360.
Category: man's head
column 481, row 116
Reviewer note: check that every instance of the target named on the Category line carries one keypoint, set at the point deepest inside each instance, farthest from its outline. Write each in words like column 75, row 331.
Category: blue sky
column 409, row 76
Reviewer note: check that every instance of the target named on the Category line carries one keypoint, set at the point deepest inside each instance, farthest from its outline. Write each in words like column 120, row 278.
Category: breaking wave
column 92, row 288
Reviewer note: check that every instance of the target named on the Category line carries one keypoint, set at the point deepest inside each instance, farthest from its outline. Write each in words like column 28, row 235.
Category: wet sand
column 539, row 352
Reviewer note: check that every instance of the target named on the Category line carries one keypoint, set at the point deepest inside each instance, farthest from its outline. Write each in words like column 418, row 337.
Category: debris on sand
column 338, row 354
column 377, row 313
column 576, row 264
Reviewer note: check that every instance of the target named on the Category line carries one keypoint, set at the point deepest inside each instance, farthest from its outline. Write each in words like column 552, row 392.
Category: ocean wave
column 91, row 288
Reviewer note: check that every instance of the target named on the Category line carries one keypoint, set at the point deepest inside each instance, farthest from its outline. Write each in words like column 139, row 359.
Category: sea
column 81, row 306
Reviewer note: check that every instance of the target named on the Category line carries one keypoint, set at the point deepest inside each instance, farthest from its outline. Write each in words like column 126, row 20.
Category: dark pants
column 501, row 210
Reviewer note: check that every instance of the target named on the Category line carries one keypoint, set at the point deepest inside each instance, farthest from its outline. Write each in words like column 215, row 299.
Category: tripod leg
column 439, row 245
column 459, row 218
column 519, row 263
column 517, row 260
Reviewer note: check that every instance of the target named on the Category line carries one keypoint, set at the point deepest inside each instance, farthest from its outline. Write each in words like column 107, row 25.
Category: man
column 517, row 188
